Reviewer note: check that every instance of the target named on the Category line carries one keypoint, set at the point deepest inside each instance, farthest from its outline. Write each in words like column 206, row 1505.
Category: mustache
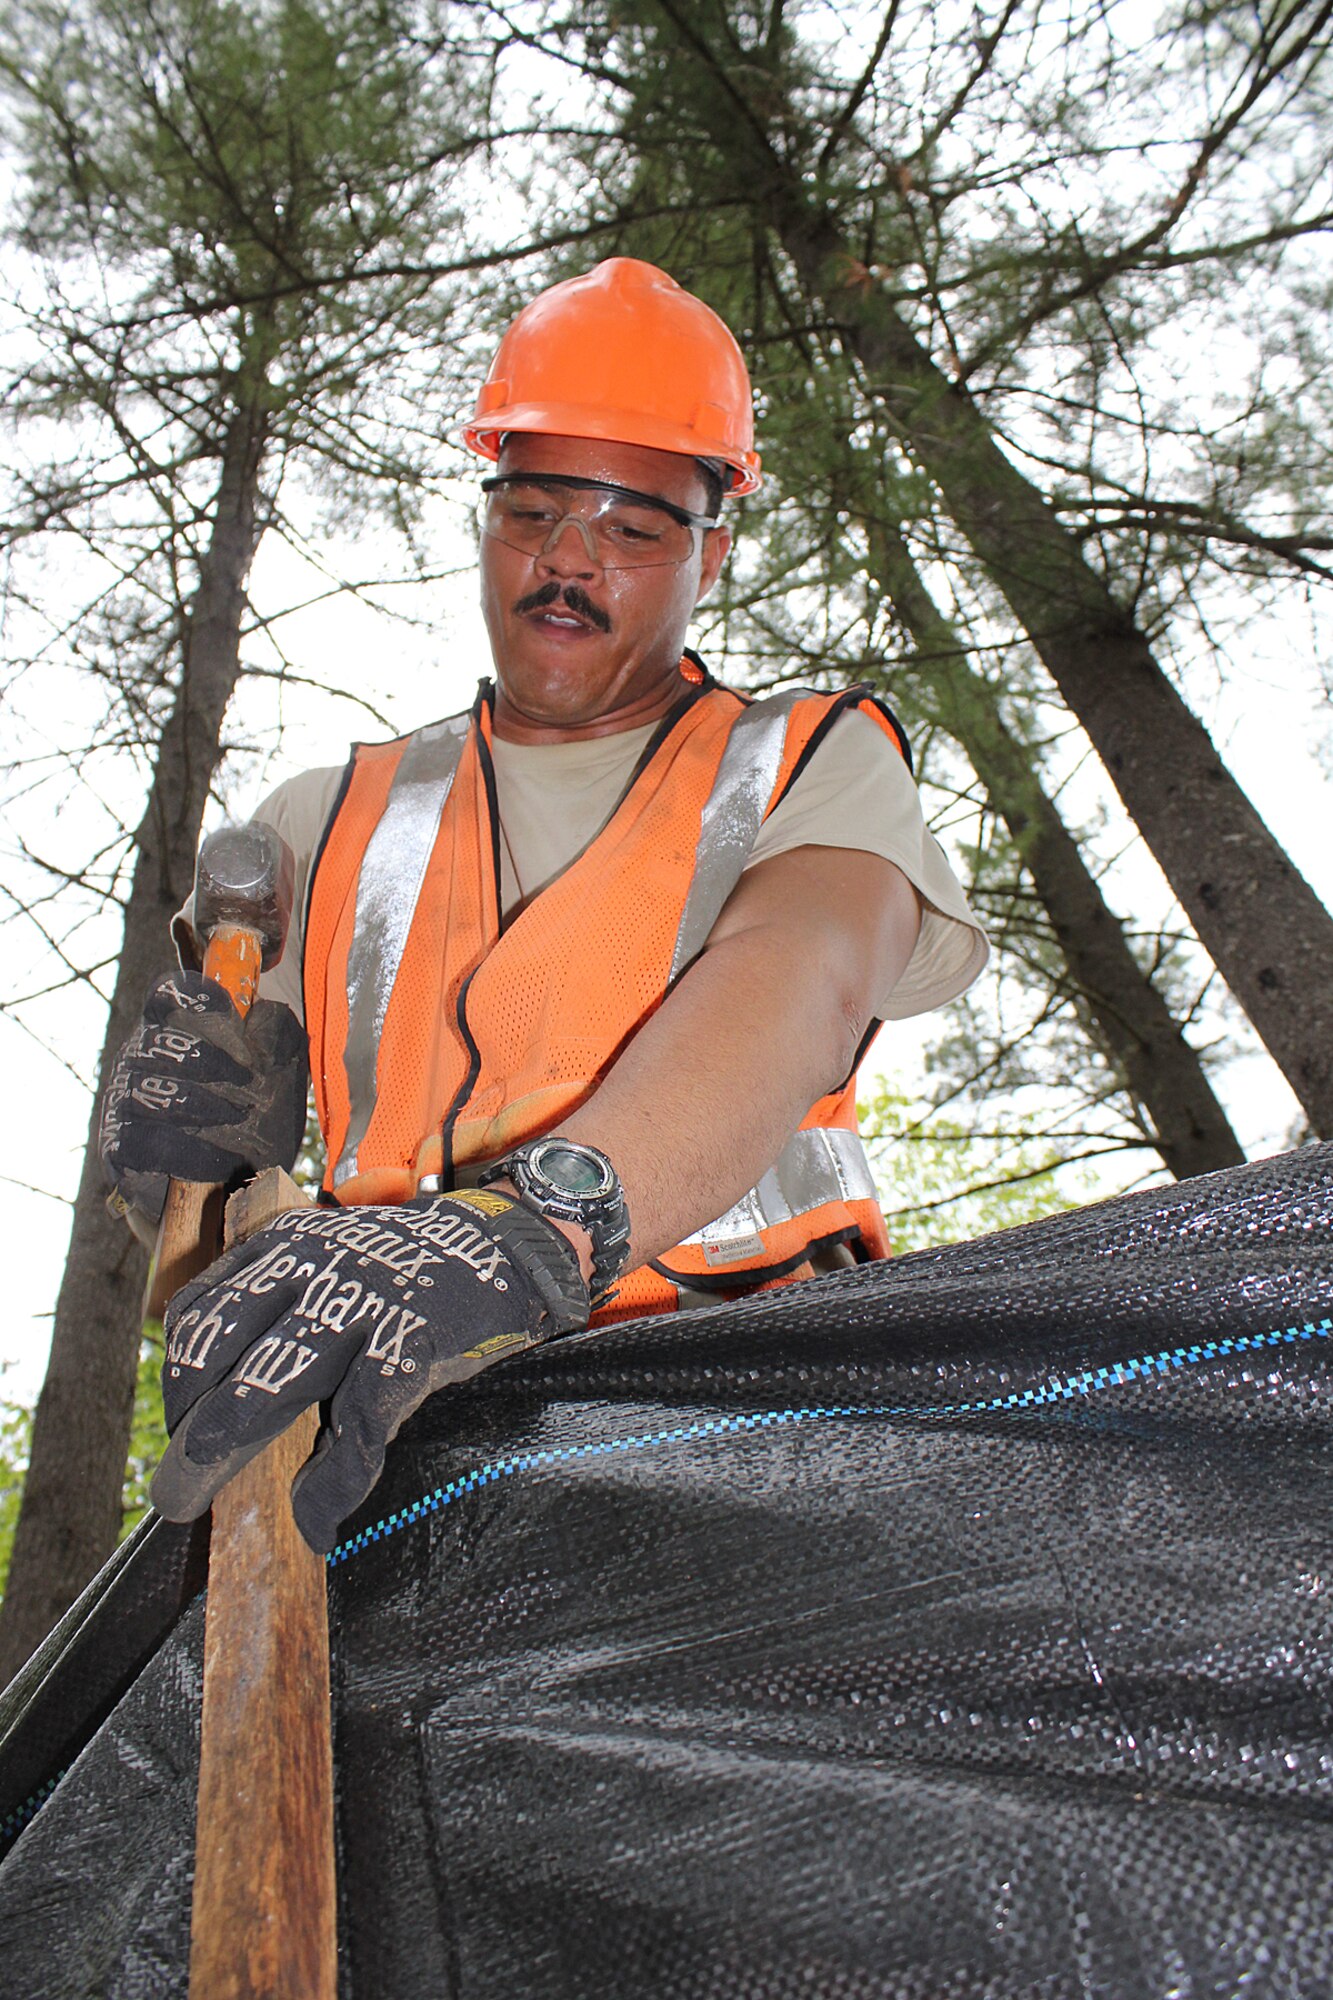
column 575, row 599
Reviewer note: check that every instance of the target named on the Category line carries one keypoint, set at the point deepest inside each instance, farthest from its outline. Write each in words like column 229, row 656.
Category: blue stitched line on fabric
column 1058, row 1389
column 11, row 1828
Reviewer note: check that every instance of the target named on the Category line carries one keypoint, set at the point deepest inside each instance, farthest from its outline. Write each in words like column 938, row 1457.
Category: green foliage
column 942, row 1182
column 148, row 1437
column 241, row 143
column 230, row 214
column 15, row 1438
column 308, row 1170
column 148, row 1431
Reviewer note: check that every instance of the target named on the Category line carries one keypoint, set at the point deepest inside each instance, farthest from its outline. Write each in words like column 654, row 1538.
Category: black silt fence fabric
column 953, row 1630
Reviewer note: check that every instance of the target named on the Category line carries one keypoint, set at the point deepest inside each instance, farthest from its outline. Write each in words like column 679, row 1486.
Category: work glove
column 367, row 1310
column 198, row 1094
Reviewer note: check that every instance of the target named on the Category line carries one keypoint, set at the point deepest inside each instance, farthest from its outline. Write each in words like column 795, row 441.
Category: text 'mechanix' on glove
column 365, row 1310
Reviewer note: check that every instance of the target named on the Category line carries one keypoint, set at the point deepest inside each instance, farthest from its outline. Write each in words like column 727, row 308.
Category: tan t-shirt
column 554, row 798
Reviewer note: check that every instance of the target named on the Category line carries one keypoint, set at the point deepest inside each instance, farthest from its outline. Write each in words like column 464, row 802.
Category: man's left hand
column 367, row 1309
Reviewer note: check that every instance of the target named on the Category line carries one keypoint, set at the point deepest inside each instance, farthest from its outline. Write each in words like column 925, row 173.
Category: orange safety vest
column 439, row 1040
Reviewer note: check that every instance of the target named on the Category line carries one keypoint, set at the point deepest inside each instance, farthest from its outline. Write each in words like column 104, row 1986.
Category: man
column 586, row 972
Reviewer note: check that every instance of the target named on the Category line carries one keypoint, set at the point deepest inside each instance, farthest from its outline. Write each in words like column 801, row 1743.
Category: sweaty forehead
column 668, row 474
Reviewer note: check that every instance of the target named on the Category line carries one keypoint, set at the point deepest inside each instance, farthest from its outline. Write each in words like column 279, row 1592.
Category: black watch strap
column 569, row 1182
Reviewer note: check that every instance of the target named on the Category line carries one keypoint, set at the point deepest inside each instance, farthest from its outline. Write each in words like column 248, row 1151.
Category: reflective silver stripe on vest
column 825, row 1163
column 393, row 869
column 732, row 818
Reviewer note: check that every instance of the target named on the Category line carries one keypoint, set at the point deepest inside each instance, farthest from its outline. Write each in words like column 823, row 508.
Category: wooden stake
column 264, row 1918
column 188, row 1240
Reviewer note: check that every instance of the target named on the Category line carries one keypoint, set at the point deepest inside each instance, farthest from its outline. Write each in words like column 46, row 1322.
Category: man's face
column 582, row 650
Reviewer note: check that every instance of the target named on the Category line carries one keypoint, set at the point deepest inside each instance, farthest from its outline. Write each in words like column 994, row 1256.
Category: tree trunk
column 70, row 1518
column 1137, row 1029
column 1259, row 920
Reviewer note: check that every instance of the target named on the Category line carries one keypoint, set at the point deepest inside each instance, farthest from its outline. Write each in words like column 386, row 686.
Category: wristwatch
column 573, row 1183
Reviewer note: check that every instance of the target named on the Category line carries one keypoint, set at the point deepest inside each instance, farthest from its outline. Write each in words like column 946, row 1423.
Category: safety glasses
column 620, row 529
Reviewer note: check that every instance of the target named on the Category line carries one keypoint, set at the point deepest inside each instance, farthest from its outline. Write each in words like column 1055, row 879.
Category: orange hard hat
column 626, row 354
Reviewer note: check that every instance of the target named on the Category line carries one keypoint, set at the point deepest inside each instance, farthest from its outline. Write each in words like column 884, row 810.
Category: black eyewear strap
column 566, row 479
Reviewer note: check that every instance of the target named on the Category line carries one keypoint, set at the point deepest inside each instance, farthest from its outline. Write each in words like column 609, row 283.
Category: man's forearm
column 766, row 1021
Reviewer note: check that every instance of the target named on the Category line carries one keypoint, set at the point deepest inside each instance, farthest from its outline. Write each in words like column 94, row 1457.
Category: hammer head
column 244, row 876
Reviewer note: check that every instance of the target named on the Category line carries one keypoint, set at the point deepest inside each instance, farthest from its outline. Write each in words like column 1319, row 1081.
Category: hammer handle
column 233, row 956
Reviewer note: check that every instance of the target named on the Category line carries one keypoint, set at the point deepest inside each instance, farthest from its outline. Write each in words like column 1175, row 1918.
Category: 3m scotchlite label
column 824, row 1163
column 732, row 818
column 392, row 872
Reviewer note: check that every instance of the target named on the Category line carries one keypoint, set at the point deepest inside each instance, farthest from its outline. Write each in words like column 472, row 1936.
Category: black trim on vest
column 678, row 708
column 862, row 1050
column 852, row 697
column 659, row 736
column 742, row 1283
column 464, row 1090
column 344, row 786
column 904, row 743
column 708, row 681
column 485, row 699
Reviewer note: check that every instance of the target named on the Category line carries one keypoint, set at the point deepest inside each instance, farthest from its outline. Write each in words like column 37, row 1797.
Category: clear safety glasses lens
column 619, row 529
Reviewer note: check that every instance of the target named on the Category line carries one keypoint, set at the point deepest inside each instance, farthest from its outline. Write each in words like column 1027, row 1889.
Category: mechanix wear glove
column 367, row 1310
column 199, row 1094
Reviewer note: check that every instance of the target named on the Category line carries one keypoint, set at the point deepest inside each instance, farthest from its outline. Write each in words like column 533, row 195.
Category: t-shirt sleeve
column 298, row 812
column 856, row 791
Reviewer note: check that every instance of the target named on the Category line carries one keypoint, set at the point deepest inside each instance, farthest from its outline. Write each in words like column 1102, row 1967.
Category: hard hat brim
column 483, row 435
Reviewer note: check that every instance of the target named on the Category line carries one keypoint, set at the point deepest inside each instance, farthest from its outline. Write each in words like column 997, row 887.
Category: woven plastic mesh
column 954, row 1628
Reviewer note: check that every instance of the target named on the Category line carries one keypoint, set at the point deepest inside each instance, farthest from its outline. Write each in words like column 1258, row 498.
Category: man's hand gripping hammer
column 242, row 906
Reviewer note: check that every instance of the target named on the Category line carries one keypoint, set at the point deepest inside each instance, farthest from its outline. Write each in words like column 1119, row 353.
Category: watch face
column 571, row 1170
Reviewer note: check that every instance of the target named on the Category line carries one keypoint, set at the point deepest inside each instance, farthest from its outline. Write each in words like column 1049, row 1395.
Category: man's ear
column 717, row 547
